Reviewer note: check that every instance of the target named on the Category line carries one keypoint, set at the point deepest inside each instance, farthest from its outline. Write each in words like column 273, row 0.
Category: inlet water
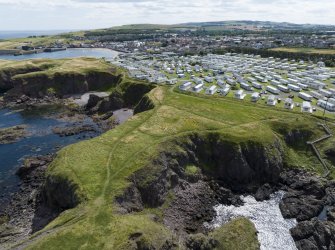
column 41, row 141
column 69, row 53
column 273, row 229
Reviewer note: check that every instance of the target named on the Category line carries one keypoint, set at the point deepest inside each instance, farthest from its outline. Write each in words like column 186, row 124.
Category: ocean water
column 9, row 34
column 273, row 229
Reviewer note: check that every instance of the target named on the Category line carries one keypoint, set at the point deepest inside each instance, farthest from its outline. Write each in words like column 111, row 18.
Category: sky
column 92, row 14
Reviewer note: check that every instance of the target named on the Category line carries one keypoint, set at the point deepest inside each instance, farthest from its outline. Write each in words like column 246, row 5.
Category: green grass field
column 306, row 50
column 51, row 66
column 41, row 41
column 100, row 167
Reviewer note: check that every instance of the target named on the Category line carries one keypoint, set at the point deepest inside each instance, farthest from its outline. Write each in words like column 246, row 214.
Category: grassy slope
column 230, row 236
column 306, row 50
column 101, row 166
column 51, row 66
column 40, row 41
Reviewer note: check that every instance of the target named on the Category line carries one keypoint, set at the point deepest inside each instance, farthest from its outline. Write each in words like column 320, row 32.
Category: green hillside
column 97, row 171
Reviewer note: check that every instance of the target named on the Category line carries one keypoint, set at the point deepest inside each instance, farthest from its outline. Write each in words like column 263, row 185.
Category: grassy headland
column 40, row 77
column 42, row 41
column 99, row 170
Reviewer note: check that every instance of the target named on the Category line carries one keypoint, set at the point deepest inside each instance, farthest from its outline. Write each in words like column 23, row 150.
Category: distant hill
column 227, row 25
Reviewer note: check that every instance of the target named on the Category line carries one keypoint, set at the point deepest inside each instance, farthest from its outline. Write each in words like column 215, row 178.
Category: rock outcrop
column 25, row 212
column 306, row 197
column 314, row 234
column 12, row 134
column 131, row 95
column 189, row 198
column 59, row 193
column 73, row 130
column 60, row 84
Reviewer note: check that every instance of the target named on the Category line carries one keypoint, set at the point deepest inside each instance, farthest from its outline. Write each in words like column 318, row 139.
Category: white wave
column 273, row 229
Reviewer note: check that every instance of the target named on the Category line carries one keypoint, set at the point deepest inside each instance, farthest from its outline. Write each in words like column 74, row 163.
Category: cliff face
column 240, row 167
column 237, row 164
column 6, row 76
column 40, row 77
column 38, row 85
column 60, row 193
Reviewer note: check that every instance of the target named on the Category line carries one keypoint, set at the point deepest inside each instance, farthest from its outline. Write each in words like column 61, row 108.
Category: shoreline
column 25, row 211
column 17, row 53
column 307, row 187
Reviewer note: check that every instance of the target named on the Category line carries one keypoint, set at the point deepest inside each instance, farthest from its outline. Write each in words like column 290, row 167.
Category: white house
column 306, row 107
column 211, row 90
column 305, row 96
column 185, row 86
column 283, row 88
column 272, row 101
column 325, row 93
column 245, row 86
column 209, row 79
column 326, row 105
column 294, row 87
column 303, row 86
column 289, row 104
column 239, row 94
column 273, row 90
column 224, row 91
column 275, row 83
column 331, row 100
column 256, row 85
column 171, row 81
column 231, row 82
column 198, row 81
column 221, row 83
column 255, row 97
column 198, row 87
column 316, row 95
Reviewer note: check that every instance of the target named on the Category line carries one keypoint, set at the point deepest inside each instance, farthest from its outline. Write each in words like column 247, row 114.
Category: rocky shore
column 27, row 210
column 311, row 200
column 187, row 195
column 307, row 198
column 12, row 134
column 188, row 198
column 26, row 213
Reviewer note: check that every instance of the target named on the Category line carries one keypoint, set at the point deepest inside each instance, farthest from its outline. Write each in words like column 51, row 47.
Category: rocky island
column 12, row 134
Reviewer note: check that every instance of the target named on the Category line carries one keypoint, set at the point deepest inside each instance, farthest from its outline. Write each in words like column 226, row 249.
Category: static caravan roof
column 288, row 100
column 255, row 95
column 306, row 104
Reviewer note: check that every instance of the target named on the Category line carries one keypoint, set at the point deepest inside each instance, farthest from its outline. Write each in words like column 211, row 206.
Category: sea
column 11, row 34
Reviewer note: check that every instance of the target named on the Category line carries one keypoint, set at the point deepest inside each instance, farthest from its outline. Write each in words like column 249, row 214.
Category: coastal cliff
column 154, row 180
column 38, row 78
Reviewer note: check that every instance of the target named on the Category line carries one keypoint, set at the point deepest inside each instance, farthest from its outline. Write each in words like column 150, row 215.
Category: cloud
column 111, row 1
column 83, row 14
